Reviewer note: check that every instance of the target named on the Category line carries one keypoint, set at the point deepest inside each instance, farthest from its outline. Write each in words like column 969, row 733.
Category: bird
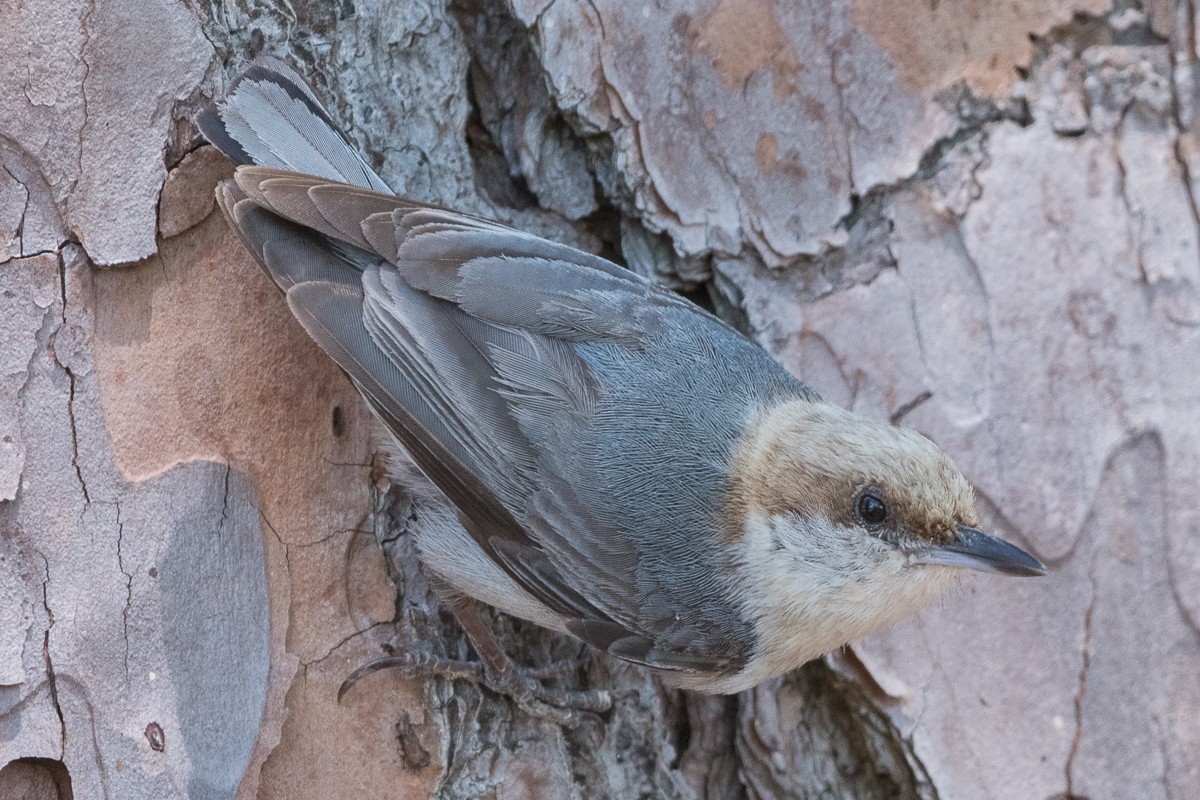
column 620, row 465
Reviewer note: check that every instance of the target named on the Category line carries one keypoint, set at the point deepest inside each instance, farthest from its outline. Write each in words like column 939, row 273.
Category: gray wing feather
column 290, row 197
column 468, row 373
column 541, row 378
column 558, row 299
column 453, row 388
column 428, row 338
column 288, row 253
column 380, row 231
column 332, row 314
column 447, row 240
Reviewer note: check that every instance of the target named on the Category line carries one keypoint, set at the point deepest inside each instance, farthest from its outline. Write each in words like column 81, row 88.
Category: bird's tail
column 271, row 118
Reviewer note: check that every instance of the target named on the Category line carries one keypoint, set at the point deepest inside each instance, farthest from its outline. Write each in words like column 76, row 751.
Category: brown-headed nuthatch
column 624, row 467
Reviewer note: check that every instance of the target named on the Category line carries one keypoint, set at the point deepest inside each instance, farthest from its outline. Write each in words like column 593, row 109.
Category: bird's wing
column 560, row 402
column 426, row 402
column 471, row 341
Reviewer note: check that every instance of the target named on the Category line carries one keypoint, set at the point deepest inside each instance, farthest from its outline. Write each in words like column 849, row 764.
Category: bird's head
column 842, row 525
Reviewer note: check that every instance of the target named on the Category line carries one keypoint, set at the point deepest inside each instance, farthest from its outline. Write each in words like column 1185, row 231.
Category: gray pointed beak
column 976, row 550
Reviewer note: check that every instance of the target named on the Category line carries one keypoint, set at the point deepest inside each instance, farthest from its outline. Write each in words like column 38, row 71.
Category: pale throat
column 822, row 585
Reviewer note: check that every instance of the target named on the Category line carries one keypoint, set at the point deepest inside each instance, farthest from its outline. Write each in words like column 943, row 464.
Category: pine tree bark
column 975, row 219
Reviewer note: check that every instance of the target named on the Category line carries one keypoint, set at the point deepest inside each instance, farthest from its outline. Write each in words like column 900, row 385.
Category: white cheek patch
column 820, row 586
column 829, row 555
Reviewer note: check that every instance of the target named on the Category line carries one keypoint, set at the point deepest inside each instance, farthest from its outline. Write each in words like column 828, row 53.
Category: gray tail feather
column 271, row 118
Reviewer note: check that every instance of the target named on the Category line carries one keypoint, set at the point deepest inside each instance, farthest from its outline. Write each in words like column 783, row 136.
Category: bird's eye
column 871, row 508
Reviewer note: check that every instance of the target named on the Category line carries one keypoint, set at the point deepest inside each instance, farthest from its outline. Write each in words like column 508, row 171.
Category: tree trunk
column 978, row 219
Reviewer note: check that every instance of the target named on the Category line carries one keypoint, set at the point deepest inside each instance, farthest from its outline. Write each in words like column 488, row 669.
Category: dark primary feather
column 578, row 417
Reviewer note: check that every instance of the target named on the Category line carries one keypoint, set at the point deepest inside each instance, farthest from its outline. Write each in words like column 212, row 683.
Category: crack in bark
column 75, row 435
column 128, row 585
column 343, row 641
column 1085, row 665
column 620, row 110
column 912, row 405
column 274, row 533
column 975, row 116
column 984, row 159
column 333, row 463
column 843, row 113
column 85, row 22
column 918, row 334
column 62, row 287
column 19, row 233
column 335, row 533
column 52, row 251
column 537, row 21
column 225, row 499
column 51, row 678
